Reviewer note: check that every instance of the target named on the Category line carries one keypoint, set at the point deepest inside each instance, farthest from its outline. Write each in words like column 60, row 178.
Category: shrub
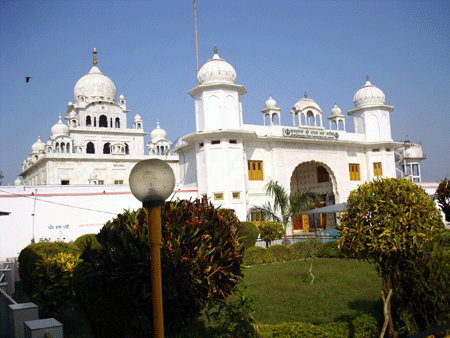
column 201, row 258
column 270, row 231
column 89, row 239
column 277, row 253
column 254, row 255
column 54, row 288
column 331, row 250
column 306, row 249
column 33, row 253
column 249, row 234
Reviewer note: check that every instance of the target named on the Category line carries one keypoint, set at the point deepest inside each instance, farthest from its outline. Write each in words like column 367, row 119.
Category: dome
column 271, row 103
column 158, row 133
column 60, row 128
column 18, row 181
column 38, row 146
column 336, row 111
column 95, row 86
column 305, row 103
column 92, row 176
column 137, row 118
column 216, row 70
column 368, row 95
column 121, row 97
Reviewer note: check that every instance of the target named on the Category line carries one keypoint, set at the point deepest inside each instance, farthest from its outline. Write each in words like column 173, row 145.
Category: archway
column 315, row 177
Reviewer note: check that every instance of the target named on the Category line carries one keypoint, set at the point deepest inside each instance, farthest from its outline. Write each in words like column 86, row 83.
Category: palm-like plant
column 284, row 204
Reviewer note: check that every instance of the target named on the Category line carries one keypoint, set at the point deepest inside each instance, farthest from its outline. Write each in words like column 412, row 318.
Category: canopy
column 326, row 210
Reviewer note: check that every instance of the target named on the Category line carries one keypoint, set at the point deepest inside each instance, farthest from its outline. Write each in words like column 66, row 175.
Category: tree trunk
column 386, row 293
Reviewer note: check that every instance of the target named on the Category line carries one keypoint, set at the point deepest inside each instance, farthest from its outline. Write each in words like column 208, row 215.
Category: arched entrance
column 316, row 177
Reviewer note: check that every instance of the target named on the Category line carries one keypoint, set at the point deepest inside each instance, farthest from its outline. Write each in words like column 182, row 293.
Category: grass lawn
column 283, row 291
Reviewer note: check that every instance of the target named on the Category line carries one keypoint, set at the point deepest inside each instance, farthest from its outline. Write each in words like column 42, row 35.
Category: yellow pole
column 154, row 239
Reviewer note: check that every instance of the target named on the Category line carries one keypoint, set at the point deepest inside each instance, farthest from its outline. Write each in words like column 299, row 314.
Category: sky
column 279, row 48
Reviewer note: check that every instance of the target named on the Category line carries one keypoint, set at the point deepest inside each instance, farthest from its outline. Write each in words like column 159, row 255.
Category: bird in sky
column 27, row 78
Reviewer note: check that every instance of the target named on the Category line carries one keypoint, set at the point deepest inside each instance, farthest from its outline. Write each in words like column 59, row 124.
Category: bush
column 277, row 253
column 270, row 231
column 306, row 249
column 331, row 250
column 54, row 288
column 254, row 255
column 201, row 259
column 32, row 254
column 89, row 239
column 249, row 234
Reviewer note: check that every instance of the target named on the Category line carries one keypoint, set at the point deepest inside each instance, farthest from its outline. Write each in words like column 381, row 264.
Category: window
column 215, row 142
column 101, row 182
column 218, row 197
column 236, row 195
column 200, row 144
column 90, row 148
column 415, row 169
column 255, row 171
column 118, row 182
column 88, row 121
column 257, row 217
column 376, row 150
column 107, row 148
column 117, row 122
column 354, row 172
column 377, row 171
column 233, row 141
column 322, row 175
column 103, row 121
column 65, row 182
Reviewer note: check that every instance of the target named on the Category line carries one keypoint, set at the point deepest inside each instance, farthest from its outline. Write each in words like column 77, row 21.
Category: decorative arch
column 90, row 148
column 88, row 121
column 103, row 121
column 107, row 148
column 319, row 178
column 117, row 125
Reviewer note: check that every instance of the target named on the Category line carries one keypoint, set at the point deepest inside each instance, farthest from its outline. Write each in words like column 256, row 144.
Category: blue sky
column 147, row 48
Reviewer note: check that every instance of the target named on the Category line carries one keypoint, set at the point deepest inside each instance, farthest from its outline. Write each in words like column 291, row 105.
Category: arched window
column 103, row 121
column 63, row 147
column 117, row 122
column 68, row 147
column 127, row 149
column 310, row 116
column 88, row 121
column 107, row 148
column 90, row 148
column 110, row 123
column 95, row 121
column 57, row 147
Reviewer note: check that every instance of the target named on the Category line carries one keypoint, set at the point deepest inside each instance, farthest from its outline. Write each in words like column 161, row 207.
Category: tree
column 442, row 195
column 270, row 231
column 287, row 205
column 386, row 222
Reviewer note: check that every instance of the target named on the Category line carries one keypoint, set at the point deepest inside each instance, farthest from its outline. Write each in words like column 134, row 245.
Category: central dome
column 216, row 70
column 95, row 86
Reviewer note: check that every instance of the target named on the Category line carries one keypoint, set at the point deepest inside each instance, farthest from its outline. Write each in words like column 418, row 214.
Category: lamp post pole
column 152, row 182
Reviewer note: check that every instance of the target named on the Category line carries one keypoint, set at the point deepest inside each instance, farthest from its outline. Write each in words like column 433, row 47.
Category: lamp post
column 152, row 182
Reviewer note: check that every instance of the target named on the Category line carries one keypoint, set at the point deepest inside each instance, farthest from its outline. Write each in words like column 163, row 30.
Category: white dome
column 216, row 70
column 18, row 181
column 121, row 97
column 271, row 103
column 95, row 85
column 336, row 111
column 92, row 176
column 38, row 146
column 305, row 103
column 60, row 128
column 158, row 133
column 368, row 95
column 137, row 118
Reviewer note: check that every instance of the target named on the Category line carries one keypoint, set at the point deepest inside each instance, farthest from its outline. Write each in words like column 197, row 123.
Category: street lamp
column 152, row 182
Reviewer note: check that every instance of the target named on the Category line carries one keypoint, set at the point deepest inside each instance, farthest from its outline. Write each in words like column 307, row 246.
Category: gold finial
column 215, row 49
column 306, row 95
column 95, row 57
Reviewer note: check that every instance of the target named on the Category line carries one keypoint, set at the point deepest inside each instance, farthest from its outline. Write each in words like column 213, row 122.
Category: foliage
column 33, row 253
column 270, row 231
column 87, row 240
column 201, row 258
column 442, row 195
column 331, row 250
column 424, row 290
column 249, row 234
column 54, row 288
column 254, row 255
column 363, row 326
column 307, row 249
column 387, row 221
column 277, row 253
column 287, row 205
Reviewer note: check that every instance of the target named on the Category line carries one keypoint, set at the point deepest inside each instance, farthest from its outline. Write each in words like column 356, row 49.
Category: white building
column 85, row 163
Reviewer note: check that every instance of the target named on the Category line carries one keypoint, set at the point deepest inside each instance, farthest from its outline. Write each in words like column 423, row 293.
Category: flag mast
column 196, row 41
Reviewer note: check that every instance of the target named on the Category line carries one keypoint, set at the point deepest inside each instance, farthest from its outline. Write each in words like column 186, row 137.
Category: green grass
column 283, row 291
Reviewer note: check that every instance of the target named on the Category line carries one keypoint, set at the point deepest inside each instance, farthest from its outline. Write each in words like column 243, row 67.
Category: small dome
column 60, row 128
column 216, row 70
column 137, row 118
column 121, row 97
column 336, row 111
column 92, row 176
column 95, row 85
column 38, row 146
column 49, row 141
column 305, row 103
column 70, row 104
column 158, row 133
column 18, row 181
column 368, row 95
column 271, row 103
column 72, row 114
